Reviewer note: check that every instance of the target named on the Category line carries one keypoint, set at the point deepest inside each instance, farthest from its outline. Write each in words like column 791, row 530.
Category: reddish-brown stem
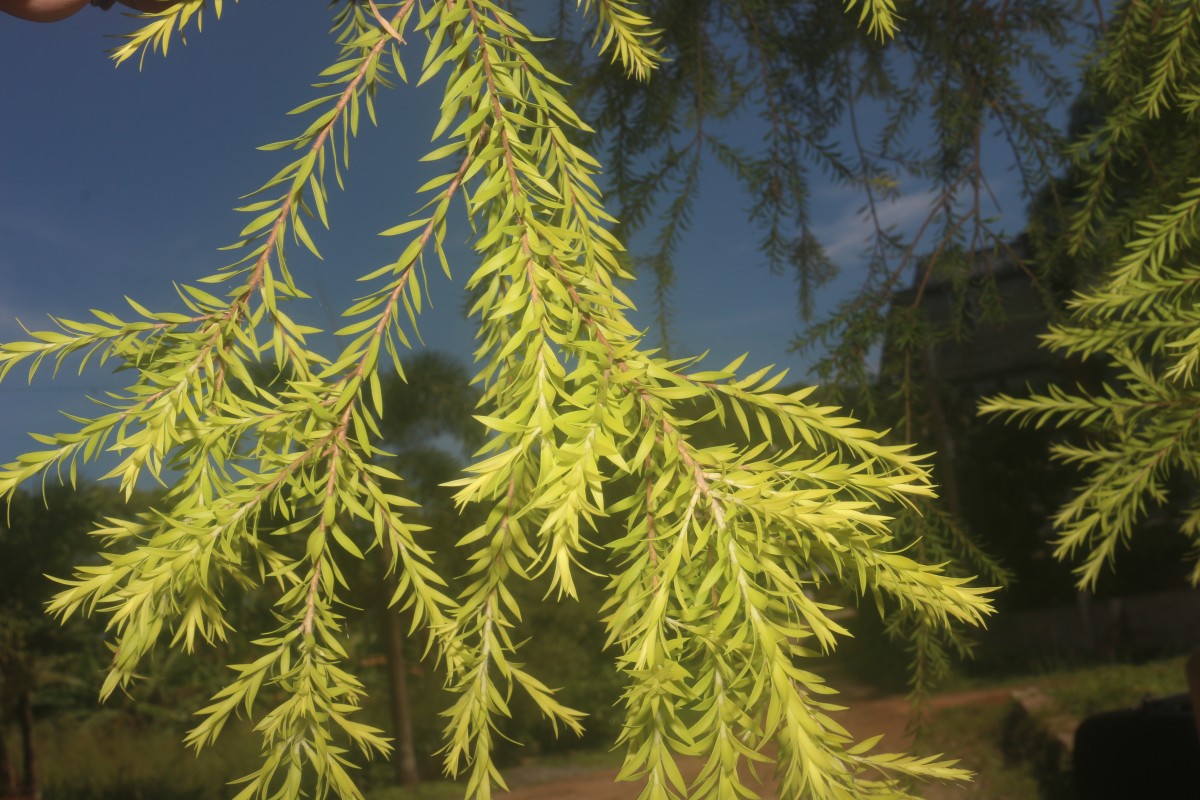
column 387, row 26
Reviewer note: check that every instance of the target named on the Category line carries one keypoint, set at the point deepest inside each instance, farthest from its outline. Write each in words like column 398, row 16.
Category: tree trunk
column 32, row 784
column 946, row 460
column 1192, row 669
column 404, row 762
column 8, row 775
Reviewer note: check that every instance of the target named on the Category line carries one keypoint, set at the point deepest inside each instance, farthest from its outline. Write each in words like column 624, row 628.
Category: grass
column 1084, row 692
column 974, row 734
column 428, row 790
column 531, row 771
column 108, row 757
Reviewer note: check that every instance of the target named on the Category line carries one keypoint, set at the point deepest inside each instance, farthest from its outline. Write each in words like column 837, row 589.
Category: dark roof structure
column 992, row 327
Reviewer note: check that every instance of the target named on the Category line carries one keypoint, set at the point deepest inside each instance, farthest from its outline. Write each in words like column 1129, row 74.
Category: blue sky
column 115, row 182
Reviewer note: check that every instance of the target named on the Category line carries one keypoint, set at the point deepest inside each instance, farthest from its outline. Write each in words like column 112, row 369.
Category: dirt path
column 867, row 715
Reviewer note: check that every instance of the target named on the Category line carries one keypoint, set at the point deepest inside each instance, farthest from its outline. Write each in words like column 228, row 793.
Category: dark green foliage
column 1135, row 215
column 46, row 534
column 814, row 101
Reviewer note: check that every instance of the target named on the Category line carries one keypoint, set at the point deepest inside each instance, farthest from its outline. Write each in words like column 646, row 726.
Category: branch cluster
column 713, row 579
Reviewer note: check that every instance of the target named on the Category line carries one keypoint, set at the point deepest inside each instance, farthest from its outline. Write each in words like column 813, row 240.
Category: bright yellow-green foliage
column 1140, row 197
column 710, row 611
column 880, row 16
